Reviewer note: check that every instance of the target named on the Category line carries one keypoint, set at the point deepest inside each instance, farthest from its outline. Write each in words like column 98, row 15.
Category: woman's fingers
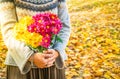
column 46, row 59
column 48, row 55
column 51, row 63
column 40, row 60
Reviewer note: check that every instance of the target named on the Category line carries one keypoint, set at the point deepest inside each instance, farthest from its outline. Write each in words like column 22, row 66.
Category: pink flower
column 56, row 29
column 31, row 28
column 46, row 41
column 40, row 28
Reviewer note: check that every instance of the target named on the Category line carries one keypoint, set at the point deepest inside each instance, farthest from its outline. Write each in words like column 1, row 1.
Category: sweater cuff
column 26, row 65
column 59, row 63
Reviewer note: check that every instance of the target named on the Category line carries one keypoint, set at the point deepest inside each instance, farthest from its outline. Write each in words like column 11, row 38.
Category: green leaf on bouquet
column 59, row 39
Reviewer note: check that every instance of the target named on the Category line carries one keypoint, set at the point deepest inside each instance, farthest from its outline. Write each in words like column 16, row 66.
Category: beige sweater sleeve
column 19, row 51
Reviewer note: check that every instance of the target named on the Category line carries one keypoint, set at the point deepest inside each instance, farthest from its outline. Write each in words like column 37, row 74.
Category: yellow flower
column 21, row 33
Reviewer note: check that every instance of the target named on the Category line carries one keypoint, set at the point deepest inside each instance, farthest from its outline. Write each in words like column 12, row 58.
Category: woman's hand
column 39, row 60
column 51, row 55
column 45, row 59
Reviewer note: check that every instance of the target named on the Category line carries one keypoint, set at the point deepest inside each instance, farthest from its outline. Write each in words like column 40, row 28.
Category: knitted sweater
column 18, row 52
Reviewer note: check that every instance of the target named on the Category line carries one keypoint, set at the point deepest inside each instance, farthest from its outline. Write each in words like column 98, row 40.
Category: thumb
column 47, row 55
column 50, row 50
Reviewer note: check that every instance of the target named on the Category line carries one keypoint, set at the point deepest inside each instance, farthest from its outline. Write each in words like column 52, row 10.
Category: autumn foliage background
column 94, row 46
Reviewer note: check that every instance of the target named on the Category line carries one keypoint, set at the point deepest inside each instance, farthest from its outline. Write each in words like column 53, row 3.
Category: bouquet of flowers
column 38, row 31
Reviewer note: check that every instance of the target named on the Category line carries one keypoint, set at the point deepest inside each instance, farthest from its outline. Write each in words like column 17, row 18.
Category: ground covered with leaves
column 94, row 46
column 3, row 50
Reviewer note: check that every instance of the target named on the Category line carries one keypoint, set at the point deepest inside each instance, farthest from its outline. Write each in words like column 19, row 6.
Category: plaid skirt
column 36, row 73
